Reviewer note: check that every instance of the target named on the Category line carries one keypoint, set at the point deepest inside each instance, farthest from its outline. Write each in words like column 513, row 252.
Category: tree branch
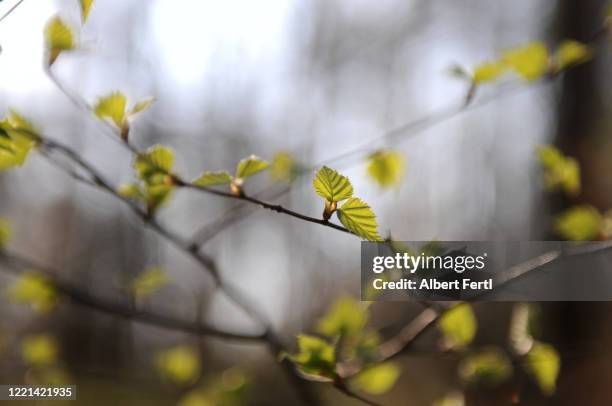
column 17, row 264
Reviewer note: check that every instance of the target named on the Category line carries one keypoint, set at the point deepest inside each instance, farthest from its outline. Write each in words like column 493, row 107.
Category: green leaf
column 378, row 379
column 529, row 61
column 141, row 106
column 148, row 282
column 489, row 367
column 36, row 290
column 85, row 8
column 131, row 191
column 18, row 138
column 180, row 365
column 386, row 168
column 157, row 160
column 332, row 186
column 543, row 363
column 358, row 217
column 488, row 72
column 347, row 318
column 5, row 233
column 39, row 350
column 58, row 37
column 213, row 178
column 579, row 223
column 315, row 356
column 157, row 195
column 459, row 325
column 283, row 167
column 571, row 53
column 250, row 166
column 560, row 171
column 112, row 107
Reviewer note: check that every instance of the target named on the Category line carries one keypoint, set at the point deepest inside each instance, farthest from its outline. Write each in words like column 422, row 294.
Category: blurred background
column 316, row 78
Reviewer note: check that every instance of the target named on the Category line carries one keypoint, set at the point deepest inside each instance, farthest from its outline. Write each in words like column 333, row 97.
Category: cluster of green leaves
column 354, row 214
column 386, row 168
column 492, row 366
column 247, row 167
column 531, row 61
column 581, row 222
column 36, row 290
column 113, row 107
column 17, row 138
column 179, row 365
column 153, row 169
column 345, row 338
column 227, row 390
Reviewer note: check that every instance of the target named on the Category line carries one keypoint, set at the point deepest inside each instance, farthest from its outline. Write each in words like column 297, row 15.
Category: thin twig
column 10, row 11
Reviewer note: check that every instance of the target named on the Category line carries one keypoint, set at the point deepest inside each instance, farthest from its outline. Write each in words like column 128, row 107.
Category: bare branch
column 17, row 264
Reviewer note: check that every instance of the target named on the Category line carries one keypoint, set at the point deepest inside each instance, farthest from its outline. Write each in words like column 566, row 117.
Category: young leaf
column 148, row 282
column 18, row 138
column 213, row 178
column 386, row 168
column 560, row 171
column 359, row 218
column 131, row 191
column 579, row 223
column 347, row 318
column 489, row 367
column 58, row 38
column 36, row 290
column 250, row 166
column 112, row 107
column 157, row 195
column 571, row 53
column 180, row 365
column 39, row 350
column 141, row 106
column 459, row 325
column 378, row 379
column 5, row 233
column 85, row 8
column 315, row 356
column 529, row 61
column 488, row 72
column 332, row 186
column 283, row 167
column 543, row 363
column 155, row 164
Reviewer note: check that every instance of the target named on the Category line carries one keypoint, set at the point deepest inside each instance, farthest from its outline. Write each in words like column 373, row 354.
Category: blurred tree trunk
column 579, row 133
